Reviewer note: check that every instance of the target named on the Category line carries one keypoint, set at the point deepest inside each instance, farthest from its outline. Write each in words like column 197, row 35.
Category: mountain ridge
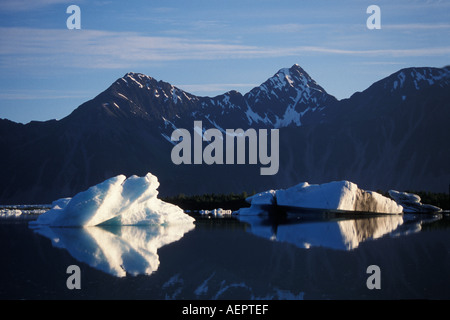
column 126, row 129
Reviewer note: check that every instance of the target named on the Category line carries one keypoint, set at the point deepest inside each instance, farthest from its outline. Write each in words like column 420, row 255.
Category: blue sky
column 206, row 47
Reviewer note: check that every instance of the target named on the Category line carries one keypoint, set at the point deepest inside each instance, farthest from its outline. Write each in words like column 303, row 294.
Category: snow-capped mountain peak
column 293, row 81
column 388, row 135
column 138, row 79
column 287, row 97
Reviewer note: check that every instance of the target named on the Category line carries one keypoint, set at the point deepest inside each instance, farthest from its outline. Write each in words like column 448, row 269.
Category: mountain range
column 393, row 135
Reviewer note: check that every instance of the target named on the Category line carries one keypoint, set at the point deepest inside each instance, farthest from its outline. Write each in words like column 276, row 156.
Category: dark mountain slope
column 394, row 134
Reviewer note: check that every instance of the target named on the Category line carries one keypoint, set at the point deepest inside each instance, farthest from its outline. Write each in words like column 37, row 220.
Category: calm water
column 300, row 256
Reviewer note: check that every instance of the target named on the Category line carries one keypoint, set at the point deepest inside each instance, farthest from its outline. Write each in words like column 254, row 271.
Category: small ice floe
column 22, row 211
column 10, row 213
column 217, row 212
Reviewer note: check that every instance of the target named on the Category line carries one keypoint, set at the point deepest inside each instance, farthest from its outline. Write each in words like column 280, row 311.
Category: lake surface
column 297, row 256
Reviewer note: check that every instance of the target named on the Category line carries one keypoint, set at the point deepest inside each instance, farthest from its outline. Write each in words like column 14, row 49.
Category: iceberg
column 336, row 195
column 266, row 198
column 411, row 202
column 116, row 201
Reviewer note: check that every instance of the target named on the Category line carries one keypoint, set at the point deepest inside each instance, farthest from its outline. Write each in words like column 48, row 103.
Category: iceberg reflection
column 306, row 230
column 117, row 250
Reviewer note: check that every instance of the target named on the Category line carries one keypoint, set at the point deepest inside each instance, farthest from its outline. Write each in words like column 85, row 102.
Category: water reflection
column 117, row 250
column 133, row 250
column 335, row 231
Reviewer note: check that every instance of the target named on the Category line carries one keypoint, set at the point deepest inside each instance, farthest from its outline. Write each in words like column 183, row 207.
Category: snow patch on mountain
column 419, row 77
column 290, row 116
column 252, row 116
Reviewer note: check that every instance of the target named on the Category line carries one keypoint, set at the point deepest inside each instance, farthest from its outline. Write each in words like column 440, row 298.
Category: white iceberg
column 263, row 198
column 116, row 201
column 336, row 195
column 411, row 202
column 60, row 203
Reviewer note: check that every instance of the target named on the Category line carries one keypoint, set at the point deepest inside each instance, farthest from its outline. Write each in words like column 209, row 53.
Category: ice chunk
column 258, row 203
column 10, row 213
column 411, row 202
column 217, row 212
column 336, row 195
column 118, row 200
column 262, row 198
column 60, row 203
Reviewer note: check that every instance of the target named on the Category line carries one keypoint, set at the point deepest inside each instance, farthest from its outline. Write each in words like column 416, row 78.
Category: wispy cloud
column 27, row 5
column 28, row 94
column 381, row 63
column 105, row 49
column 412, row 52
column 21, row 47
column 417, row 26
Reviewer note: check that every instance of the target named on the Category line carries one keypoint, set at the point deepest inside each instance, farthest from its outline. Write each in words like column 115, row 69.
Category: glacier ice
column 262, row 198
column 114, row 212
column 411, row 202
column 274, row 215
column 116, row 201
column 336, row 195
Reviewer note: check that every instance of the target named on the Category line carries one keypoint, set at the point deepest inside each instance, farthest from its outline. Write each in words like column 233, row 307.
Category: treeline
column 441, row 200
column 210, row 201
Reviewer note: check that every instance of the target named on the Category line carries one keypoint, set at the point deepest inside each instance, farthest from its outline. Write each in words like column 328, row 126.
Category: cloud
column 106, row 49
column 28, row 94
column 27, row 5
column 283, row 28
column 411, row 52
column 417, row 26
column 29, row 47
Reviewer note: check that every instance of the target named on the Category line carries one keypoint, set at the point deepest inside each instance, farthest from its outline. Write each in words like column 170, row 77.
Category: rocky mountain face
column 393, row 135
